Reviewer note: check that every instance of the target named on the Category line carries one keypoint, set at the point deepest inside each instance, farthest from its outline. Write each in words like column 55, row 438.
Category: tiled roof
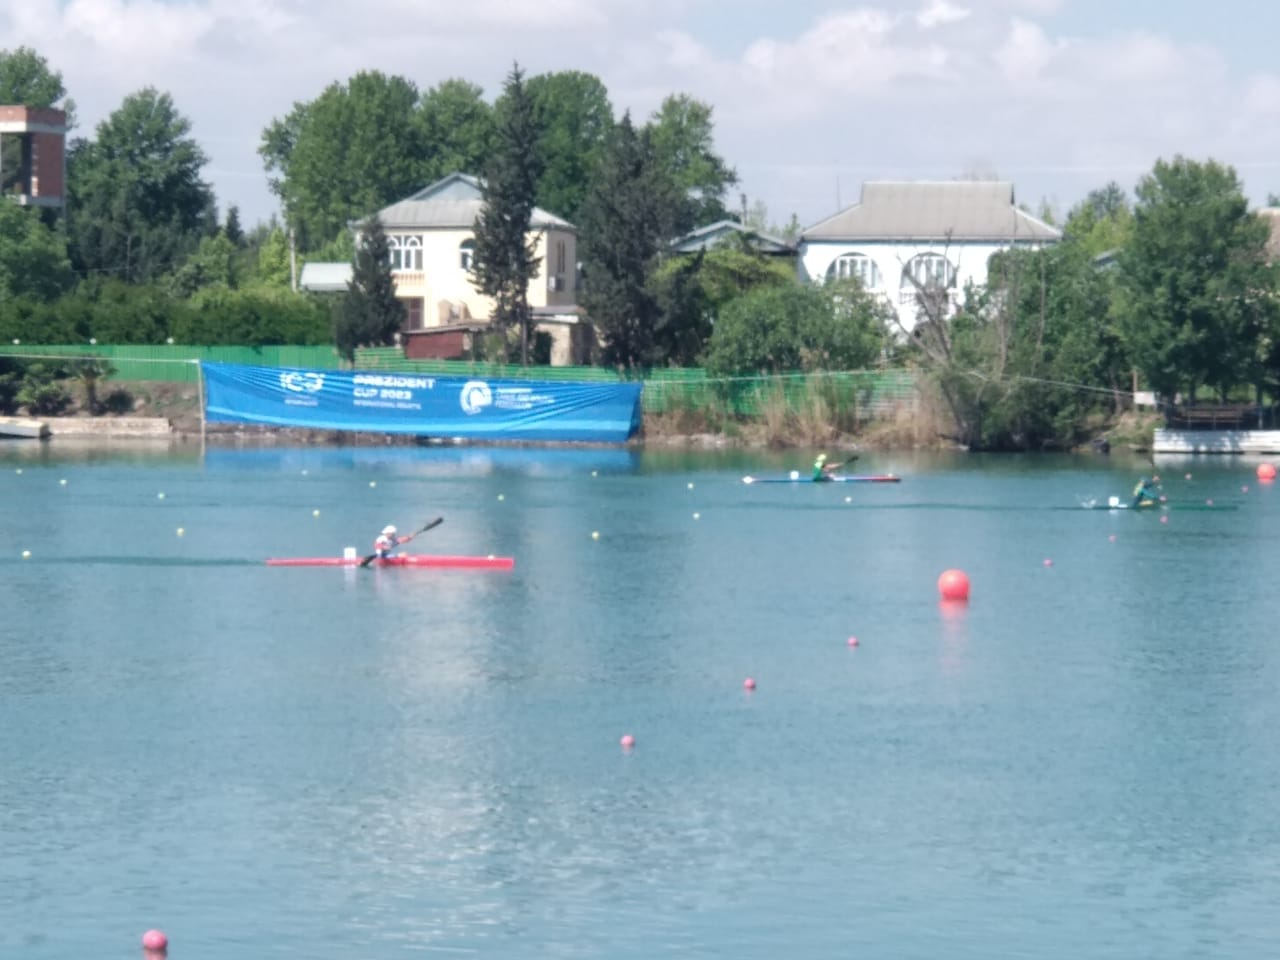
column 946, row 211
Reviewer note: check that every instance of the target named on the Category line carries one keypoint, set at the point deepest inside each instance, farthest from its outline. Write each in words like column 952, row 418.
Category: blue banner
column 421, row 404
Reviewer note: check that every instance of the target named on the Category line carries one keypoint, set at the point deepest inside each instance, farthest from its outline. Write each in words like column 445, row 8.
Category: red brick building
column 33, row 164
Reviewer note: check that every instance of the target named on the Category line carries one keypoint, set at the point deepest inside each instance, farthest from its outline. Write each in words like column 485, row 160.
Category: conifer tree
column 505, row 260
column 369, row 314
column 627, row 221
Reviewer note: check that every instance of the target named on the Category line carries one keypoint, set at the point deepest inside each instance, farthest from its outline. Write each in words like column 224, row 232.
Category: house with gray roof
column 730, row 233
column 432, row 238
column 905, row 237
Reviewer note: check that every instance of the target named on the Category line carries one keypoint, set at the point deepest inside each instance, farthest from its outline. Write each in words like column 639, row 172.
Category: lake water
column 328, row 763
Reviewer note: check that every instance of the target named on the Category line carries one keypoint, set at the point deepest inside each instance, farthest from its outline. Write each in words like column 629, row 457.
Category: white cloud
column 939, row 13
column 806, row 105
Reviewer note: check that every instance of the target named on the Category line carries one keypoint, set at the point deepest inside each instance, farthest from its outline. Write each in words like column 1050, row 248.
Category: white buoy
column 502, row 496
column 595, row 473
column 26, row 554
column 848, row 499
column 19, row 470
column 304, row 473
column 373, row 483
column 63, row 481
column 690, row 486
column 160, row 495
column 315, row 513
column 696, row 516
column 181, row 531
column 595, row 534
column 748, row 479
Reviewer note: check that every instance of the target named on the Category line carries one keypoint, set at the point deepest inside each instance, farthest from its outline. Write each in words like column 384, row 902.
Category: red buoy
column 954, row 585
column 1266, row 472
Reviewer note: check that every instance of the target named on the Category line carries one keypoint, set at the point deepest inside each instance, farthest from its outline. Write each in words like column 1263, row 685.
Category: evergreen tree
column 233, row 230
column 369, row 313
column 627, row 221
column 505, row 260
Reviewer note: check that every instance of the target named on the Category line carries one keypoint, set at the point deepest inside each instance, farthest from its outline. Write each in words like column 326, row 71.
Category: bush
column 119, row 401
column 43, row 399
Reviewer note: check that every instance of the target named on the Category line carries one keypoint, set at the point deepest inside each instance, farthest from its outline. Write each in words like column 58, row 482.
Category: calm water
column 327, row 763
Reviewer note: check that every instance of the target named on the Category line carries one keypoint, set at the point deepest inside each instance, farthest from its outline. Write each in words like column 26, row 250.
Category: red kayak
column 403, row 560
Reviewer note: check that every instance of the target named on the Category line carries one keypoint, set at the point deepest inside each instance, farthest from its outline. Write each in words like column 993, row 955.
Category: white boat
column 24, row 427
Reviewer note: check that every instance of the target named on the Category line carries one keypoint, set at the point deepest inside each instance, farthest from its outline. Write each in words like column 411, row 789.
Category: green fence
column 177, row 364
column 870, row 393
column 874, row 393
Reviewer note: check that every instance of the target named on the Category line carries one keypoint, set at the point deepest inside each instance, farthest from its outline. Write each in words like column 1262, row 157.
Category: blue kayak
column 796, row 477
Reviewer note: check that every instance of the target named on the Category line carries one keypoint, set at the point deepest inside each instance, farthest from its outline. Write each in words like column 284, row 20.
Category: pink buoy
column 1209, row 502
column 954, row 585
column 853, row 641
column 1164, row 519
column 1245, row 488
column 1266, row 472
column 1112, row 538
column 1048, row 562
column 748, row 684
column 627, row 741
column 155, row 941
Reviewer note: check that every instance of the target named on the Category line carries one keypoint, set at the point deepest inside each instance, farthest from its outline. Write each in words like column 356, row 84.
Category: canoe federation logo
column 475, row 396
column 297, row 382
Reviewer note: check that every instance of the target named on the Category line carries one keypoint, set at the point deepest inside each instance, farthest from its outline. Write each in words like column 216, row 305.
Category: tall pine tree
column 627, row 221
column 505, row 260
column 369, row 314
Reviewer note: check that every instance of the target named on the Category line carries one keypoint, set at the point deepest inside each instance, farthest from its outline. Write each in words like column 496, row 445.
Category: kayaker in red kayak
column 387, row 541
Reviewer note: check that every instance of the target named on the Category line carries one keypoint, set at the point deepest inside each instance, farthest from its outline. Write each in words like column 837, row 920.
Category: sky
column 810, row 99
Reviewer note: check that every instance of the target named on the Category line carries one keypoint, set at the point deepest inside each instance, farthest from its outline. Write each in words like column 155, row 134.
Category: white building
column 902, row 237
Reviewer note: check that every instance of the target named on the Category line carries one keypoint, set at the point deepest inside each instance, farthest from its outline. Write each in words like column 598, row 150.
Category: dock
column 1216, row 441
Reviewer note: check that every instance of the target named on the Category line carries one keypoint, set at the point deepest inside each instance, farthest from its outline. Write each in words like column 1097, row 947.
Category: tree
column 627, row 222
column 349, row 152
column 137, row 205
column 684, row 143
column 369, row 313
column 693, row 290
column 26, row 80
column 779, row 328
column 234, row 232
column 505, row 260
column 213, row 264
column 1199, row 290
column 457, row 129
column 33, row 257
column 1273, row 199
column 1101, row 221
column 574, row 117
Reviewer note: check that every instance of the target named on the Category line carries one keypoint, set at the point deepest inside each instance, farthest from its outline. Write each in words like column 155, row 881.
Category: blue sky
column 810, row 99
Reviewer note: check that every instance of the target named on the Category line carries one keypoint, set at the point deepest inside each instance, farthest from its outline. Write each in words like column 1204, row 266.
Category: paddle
column 434, row 523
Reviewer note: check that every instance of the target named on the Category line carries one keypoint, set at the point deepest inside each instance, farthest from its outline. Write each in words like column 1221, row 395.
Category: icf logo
column 475, row 396
column 297, row 382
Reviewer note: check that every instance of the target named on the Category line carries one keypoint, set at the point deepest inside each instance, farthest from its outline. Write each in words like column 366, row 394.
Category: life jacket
column 384, row 543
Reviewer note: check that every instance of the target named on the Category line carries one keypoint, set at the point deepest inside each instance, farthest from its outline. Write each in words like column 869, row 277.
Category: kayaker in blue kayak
column 1144, row 492
column 823, row 470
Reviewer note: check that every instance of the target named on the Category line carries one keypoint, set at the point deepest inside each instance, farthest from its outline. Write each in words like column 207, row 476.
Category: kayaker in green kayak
column 1144, row 492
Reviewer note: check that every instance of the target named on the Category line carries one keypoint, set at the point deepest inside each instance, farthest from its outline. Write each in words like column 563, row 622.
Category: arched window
column 930, row 271
column 858, row 266
column 406, row 253
column 467, row 255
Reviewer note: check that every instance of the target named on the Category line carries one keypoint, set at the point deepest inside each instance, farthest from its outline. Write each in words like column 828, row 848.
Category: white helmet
column 388, row 531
